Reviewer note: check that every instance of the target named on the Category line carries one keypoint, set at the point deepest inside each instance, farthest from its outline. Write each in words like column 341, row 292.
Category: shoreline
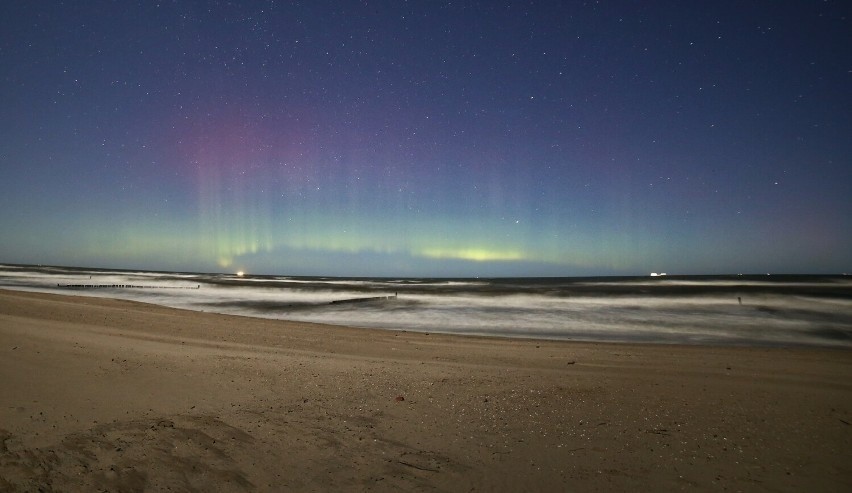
column 143, row 396
column 736, row 342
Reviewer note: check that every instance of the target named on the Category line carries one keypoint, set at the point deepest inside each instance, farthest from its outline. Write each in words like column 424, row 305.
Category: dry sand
column 108, row 395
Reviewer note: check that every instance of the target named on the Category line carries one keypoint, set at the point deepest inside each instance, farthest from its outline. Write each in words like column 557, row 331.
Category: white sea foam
column 492, row 308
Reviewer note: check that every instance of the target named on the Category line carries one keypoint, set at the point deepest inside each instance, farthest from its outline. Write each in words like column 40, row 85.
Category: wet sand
column 109, row 395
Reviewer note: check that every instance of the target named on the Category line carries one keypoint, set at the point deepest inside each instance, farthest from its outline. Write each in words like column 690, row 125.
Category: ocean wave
column 789, row 310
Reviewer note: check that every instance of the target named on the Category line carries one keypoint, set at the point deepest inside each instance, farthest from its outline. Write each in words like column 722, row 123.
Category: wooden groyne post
column 362, row 300
column 122, row 286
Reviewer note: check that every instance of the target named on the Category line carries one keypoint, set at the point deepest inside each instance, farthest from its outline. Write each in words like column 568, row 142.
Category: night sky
column 426, row 138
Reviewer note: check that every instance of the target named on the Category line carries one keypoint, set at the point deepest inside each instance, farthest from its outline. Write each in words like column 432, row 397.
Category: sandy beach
column 109, row 395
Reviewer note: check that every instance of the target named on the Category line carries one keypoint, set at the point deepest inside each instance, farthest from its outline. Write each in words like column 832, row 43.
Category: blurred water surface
column 729, row 310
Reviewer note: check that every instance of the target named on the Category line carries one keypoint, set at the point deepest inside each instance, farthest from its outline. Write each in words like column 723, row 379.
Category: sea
column 736, row 310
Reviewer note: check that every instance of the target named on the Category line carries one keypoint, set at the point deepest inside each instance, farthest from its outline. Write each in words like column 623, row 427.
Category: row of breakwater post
column 122, row 286
column 362, row 300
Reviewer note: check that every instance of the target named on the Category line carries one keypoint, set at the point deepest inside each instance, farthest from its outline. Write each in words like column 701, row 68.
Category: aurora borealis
column 427, row 138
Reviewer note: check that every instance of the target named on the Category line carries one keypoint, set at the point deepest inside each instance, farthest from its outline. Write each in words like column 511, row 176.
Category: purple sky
column 428, row 138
